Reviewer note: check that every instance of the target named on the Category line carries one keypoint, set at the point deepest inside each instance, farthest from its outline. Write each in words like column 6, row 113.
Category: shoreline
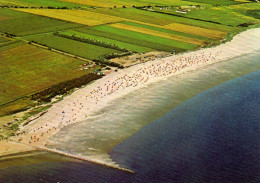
column 75, row 107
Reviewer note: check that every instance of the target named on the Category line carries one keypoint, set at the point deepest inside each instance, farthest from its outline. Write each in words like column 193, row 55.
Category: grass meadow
column 81, row 49
column 45, row 67
column 121, row 44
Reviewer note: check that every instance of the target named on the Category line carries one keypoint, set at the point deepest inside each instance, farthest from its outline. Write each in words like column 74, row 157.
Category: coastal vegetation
column 46, row 46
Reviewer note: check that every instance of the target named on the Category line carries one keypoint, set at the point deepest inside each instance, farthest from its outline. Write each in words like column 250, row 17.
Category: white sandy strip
column 84, row 102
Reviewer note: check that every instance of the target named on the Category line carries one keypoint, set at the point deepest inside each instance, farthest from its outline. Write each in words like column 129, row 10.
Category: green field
column 42, row 68
column 136, row 15
column 85, row 50
column 22, row 24
column 26, row 69
column 219, row 15
column 121, row 44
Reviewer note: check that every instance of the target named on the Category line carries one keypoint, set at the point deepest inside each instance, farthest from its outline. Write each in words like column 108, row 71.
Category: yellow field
column 76, row 16
column 92, row 3
column 17, row 3
column 195, row 30
column 158, row 33
column 243, row 1
column 189, row 29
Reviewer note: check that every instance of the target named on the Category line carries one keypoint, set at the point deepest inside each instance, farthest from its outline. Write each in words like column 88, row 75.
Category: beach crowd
column 75, row 109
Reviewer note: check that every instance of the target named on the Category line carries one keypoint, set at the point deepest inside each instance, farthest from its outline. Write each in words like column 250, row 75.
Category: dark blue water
column 213, row 137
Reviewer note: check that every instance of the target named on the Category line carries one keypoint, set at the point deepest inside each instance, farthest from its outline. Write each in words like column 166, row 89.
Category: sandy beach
column 84, row 102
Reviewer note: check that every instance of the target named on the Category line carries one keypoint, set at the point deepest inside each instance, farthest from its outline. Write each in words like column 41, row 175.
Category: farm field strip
column 159, row 34
column 81, row 49
column 95, row 3
column 188, row 29
column 121, row 44
column 93, row 17
column 159, row 29
column 196, row 30
column 141, row 39
column 22, row 23
column 132, row 14
column 76, row 16
column 126, row 38
column 212, row 2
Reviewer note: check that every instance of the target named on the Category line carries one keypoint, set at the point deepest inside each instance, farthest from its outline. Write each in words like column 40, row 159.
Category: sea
column 199, row 126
